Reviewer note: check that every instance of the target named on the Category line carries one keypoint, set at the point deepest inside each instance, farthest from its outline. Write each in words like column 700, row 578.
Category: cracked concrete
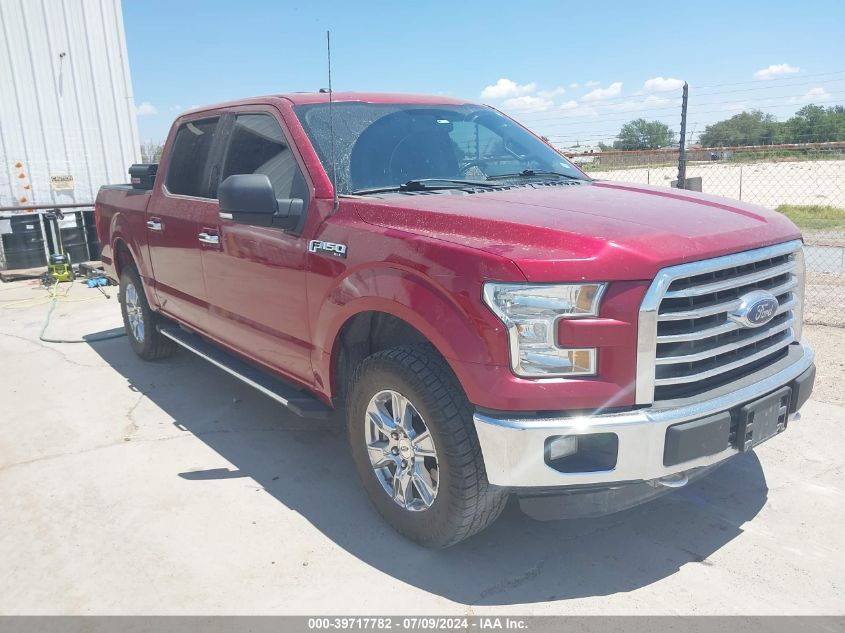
column 252, row 510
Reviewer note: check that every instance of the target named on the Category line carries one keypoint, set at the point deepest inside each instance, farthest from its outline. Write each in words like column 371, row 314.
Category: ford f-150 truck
column 492, row 321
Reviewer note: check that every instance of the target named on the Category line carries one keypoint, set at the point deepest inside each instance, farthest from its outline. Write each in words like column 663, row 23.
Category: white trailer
column 67, row 114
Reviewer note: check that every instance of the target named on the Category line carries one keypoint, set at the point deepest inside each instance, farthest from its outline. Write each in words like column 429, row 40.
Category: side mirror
column 250, row 199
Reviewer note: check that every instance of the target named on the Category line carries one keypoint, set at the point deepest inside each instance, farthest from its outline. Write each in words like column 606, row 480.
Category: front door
column 174, row 217
column 256, row 275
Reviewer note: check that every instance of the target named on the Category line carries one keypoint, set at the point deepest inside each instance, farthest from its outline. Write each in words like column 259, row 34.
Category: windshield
column 386, row 145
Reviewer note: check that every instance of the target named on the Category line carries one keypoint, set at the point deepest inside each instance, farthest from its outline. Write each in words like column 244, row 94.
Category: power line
column 632, row 98
column 767, row 87
column 744, row 83
column 574, row 121
column 674, row 108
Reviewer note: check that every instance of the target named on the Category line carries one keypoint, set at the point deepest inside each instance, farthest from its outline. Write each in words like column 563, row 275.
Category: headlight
column 530, row 313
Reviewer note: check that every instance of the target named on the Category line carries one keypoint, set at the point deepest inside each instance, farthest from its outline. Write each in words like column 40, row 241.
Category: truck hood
column 594, row 231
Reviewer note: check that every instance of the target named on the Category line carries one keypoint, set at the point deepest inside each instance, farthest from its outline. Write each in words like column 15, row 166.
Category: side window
column 257, row 146
column 189, row 156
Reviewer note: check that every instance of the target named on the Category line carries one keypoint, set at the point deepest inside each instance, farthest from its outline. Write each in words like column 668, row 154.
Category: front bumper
column 514, row 448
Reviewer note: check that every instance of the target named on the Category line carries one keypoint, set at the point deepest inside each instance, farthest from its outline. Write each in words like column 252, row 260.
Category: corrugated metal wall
column 66, row 105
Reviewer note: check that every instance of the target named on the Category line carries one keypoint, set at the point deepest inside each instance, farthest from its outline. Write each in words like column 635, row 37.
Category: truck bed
column 121, row 211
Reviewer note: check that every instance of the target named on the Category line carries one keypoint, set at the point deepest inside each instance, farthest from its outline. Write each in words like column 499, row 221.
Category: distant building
column 67, row 114
column 582, row 154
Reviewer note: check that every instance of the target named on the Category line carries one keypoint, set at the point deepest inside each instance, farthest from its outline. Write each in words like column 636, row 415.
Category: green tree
column 810, row 124
column 642, row 134
column 815, row 124
column 151, row 151
column 745, row 128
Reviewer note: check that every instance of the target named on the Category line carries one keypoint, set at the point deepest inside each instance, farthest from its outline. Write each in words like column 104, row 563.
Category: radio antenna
column 331, row 120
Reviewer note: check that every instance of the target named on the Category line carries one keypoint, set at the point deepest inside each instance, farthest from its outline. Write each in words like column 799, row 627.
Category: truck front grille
column 689, row 344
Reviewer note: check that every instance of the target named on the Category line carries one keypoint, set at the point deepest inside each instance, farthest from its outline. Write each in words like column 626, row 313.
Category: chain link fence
column 806, row 182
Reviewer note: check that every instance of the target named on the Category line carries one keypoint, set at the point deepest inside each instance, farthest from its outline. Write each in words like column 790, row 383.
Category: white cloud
column 650, row 102
column 591, row 83
column 554, row 92
column 527, row 103
column 573, row 85
column 662, row 84
column 572, row 109
column 774, row 70
column 145, row 109
column 505, row 88
column 813, row 95
column 598, row 94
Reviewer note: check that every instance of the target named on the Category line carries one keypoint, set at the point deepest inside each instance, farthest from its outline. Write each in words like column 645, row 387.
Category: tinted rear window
column 189, row 156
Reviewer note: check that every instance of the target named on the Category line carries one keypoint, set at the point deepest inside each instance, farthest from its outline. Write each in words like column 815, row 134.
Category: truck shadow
column 305, row 465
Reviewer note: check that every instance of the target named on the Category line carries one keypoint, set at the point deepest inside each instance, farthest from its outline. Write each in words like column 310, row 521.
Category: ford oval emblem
column 755, row 309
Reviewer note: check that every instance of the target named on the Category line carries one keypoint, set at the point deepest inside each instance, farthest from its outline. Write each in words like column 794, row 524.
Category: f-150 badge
column 327, row 248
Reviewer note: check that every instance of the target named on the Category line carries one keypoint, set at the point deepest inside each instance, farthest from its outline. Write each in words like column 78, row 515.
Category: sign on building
column 61, row 183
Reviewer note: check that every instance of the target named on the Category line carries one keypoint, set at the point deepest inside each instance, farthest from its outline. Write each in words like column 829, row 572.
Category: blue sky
column 572, row 71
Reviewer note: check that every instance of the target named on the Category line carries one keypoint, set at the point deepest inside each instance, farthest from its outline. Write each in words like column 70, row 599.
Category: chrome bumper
column 513, row 448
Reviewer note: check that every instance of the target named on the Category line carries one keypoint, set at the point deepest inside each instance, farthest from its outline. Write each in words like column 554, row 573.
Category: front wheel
column 415, row 447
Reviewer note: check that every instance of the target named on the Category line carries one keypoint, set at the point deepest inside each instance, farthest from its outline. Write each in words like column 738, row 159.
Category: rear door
column 256, row 275
column 174, row 219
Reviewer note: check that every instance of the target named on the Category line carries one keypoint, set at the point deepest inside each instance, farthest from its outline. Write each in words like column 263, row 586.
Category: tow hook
column 678, row 480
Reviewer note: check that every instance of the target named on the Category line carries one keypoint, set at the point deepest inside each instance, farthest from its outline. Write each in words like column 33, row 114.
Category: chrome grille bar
column 724, row 328
column 727, row 306
column 733, row 282
column 714, row 284
column 782, row 342
column 722, row 349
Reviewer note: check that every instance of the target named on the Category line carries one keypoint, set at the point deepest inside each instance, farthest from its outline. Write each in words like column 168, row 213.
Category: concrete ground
column 129, row 487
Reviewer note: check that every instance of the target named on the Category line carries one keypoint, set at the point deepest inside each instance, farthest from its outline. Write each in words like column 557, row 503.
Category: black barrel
column 21, row 241
column 74, row 239
column 91, row 236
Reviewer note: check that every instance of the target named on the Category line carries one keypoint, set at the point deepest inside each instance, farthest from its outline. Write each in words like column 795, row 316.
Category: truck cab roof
column 303, row 98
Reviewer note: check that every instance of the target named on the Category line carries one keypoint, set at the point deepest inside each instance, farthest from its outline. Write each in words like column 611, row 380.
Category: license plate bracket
column 763, row 419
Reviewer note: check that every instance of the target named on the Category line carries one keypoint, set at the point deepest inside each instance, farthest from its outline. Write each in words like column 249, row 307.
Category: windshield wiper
column 534, row 173
column 425, row 184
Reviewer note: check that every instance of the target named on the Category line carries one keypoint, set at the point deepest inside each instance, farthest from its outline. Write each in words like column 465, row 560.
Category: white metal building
column 67, row 114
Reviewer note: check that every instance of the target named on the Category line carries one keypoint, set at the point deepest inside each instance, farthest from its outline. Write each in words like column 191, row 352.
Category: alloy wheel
column 401, row 451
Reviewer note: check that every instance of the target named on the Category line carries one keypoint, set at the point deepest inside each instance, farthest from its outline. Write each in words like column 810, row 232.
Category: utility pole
column 682, row 150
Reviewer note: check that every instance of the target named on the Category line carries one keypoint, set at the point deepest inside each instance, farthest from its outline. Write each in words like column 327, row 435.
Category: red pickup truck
column 492, row 321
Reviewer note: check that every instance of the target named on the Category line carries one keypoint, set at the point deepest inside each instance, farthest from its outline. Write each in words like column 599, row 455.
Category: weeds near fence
column 814, row 216
column 774, row 155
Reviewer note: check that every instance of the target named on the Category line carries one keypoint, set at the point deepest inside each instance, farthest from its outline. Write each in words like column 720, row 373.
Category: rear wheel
column 415, row 447
column 139, row 320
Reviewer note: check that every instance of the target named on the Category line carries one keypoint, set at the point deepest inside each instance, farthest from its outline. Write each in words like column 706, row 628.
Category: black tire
column 151, row 345
column 465, row 502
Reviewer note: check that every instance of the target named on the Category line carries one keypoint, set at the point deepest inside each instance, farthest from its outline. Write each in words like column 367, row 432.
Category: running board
column 299, row 402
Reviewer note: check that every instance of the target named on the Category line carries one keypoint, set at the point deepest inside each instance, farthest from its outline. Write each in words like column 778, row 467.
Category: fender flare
column 406, row 295
column 119, row 231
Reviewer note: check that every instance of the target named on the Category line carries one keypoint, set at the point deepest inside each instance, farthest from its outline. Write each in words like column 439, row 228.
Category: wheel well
column 363, row 335
column 122, row 256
